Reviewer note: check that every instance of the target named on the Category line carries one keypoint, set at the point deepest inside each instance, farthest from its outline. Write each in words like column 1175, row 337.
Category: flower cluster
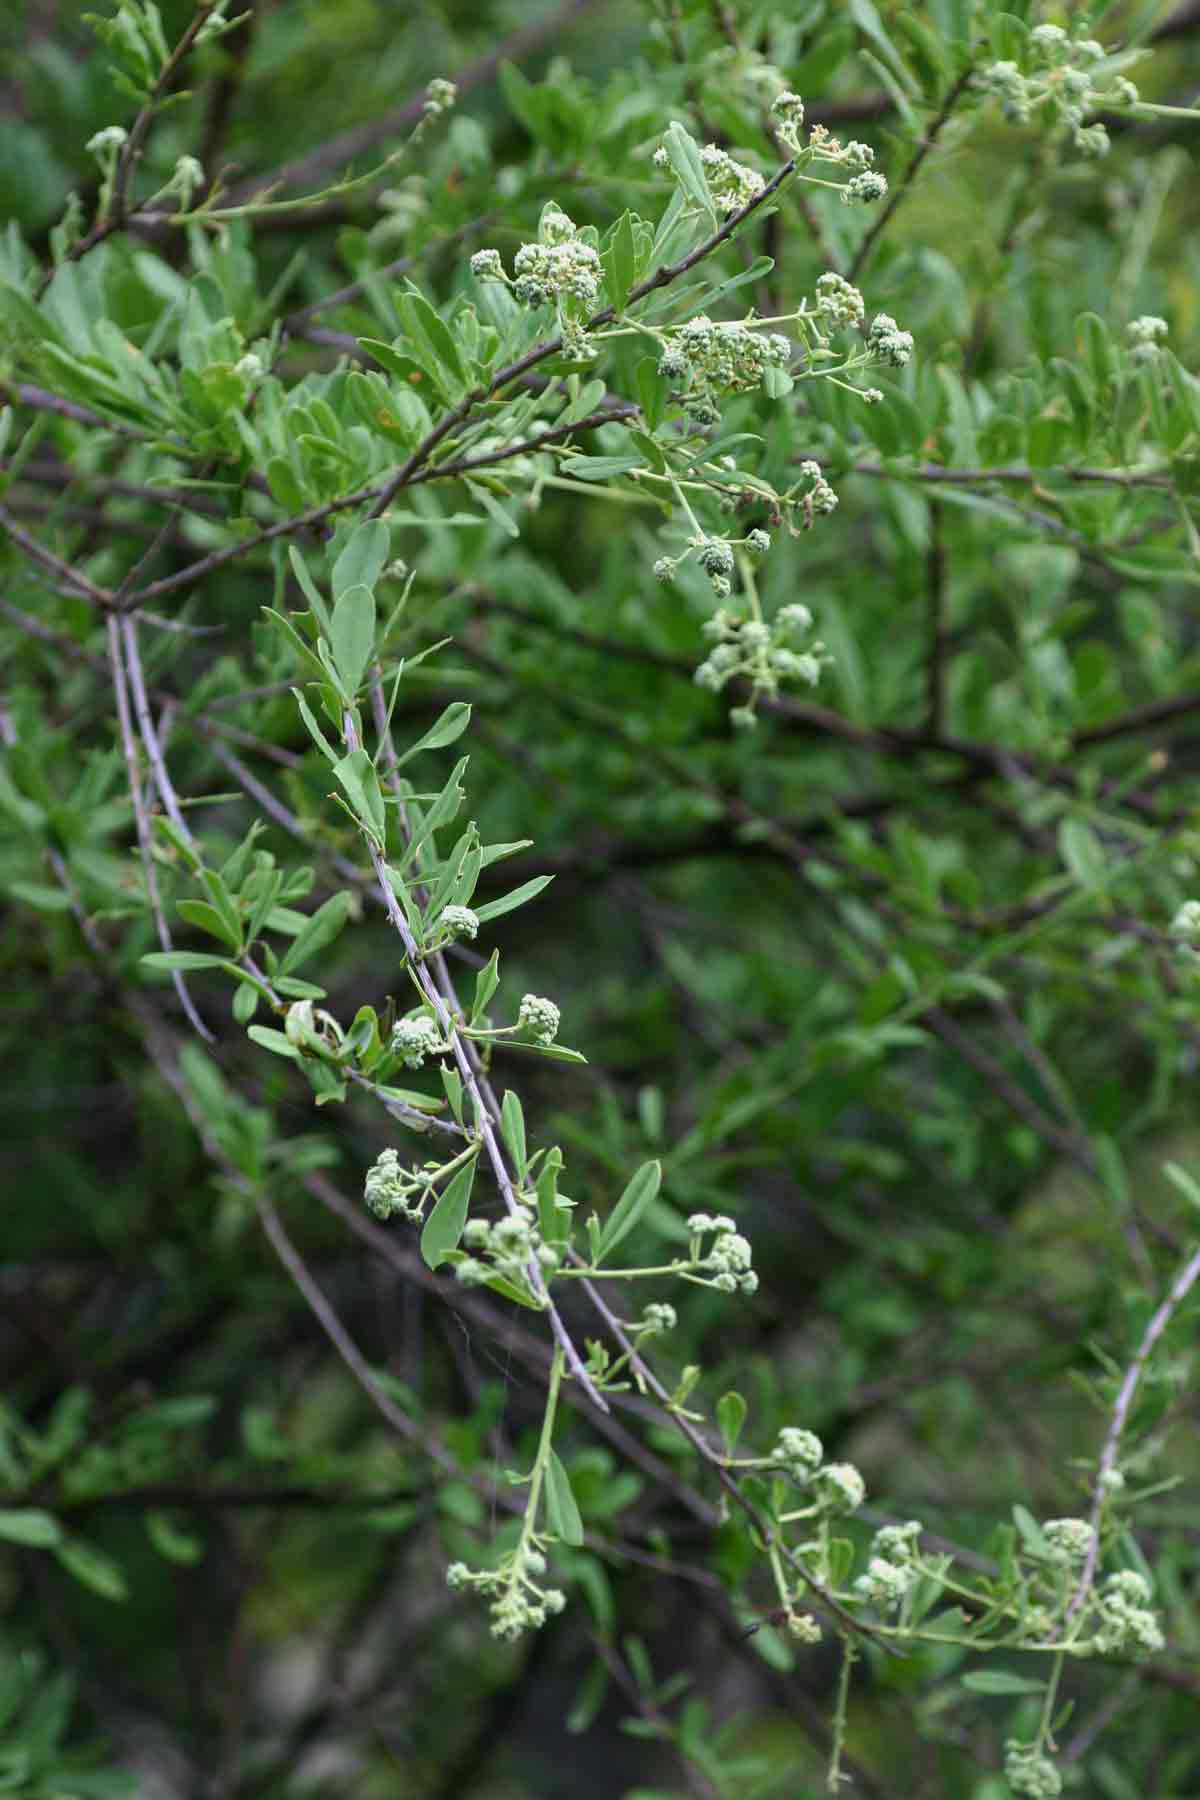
column 889, row 343
column 705, row 358
column 1145, row 337
column 761, row 653
column 562, row 269
column 538, row 1019
column 787, row 110
column 657, row 1318
column 416, row 1037
column 440, row 96
column 864, row 188
column 838, row 300
column 1028, row 1771
column 835, row 1487
column 1127, row 1624
column 521, row 1603
column 728, row 1257
column 389, row 1188
column 891, row 1566
column 1068, row 1541
column 731, row 184
column 508, row 1244
column 459, row 921
column 1066, row 82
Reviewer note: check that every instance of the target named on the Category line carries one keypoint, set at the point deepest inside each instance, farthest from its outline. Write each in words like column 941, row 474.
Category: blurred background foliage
column 888, row 978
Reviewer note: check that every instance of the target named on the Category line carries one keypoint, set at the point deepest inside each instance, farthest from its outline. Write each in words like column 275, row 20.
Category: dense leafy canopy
column 599, row 561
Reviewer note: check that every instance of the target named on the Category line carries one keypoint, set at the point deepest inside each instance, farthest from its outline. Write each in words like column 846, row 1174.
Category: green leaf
column 731, row 1416
column 92, row 1568
column 492, row 507
column 314, row 730
column 432, row 343
column 353, row 635
column 318, row 931
column 512, row 1126
column 562, row 1514
column 1082, row 852
column 642, row 1189
column 30, row 1526
column 207, row 918
column 356, row 774
column 362, row 557
column 1000, row 1681
column 495, row 909
column 273, row 1040
column 588, row 1699
column 449, row 727
column 309, row 589
column 599, row 468
column 444, row 1226
column 172, row 1543
column 182, row 959
column 619, row 258
column 684, row 155
column 486, row 983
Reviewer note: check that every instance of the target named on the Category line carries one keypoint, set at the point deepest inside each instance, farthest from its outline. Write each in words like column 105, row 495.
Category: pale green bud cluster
column 820, row 497
column 1127, row 1625
column 798, row 1452
column 731, row 184
column 760, row 653
column 415, row 1038
column 838, row 300
column 787, row 110
column 392, row 1189
column 1146, row 335
column 459, row 921
column 188, row 175
column 105, row 144
column 1068, row 1541
column 726, row 1263
column 889, row 343
column 508, row 1245
column 839, row 1487
column 891, row 1565
column 561, row 269
column 864, row 188
column 1064, row 82
column 1029, row 1772
column 521, row 1603
column 538, row 1019
column 657, row 1317
column 706, row 358
column 440, row 96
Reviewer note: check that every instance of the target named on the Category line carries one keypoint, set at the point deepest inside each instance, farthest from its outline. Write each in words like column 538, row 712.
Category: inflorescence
column 1066, row 78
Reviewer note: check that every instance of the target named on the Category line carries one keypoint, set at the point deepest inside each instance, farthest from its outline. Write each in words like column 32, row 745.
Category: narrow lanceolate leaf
column 317, row 932
column 642, row 1189
column 731, row 1416
column 562, row 1514
column 353, row 635
column 30, row 1526
column 444, row 1226
column 182, row 960
column 450, row 725
column 357, row 776
column 494, row 909
column 684, row 154
column 512, row 1126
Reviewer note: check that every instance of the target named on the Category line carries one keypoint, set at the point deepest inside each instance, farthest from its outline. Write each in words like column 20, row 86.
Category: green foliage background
column 888, row 978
